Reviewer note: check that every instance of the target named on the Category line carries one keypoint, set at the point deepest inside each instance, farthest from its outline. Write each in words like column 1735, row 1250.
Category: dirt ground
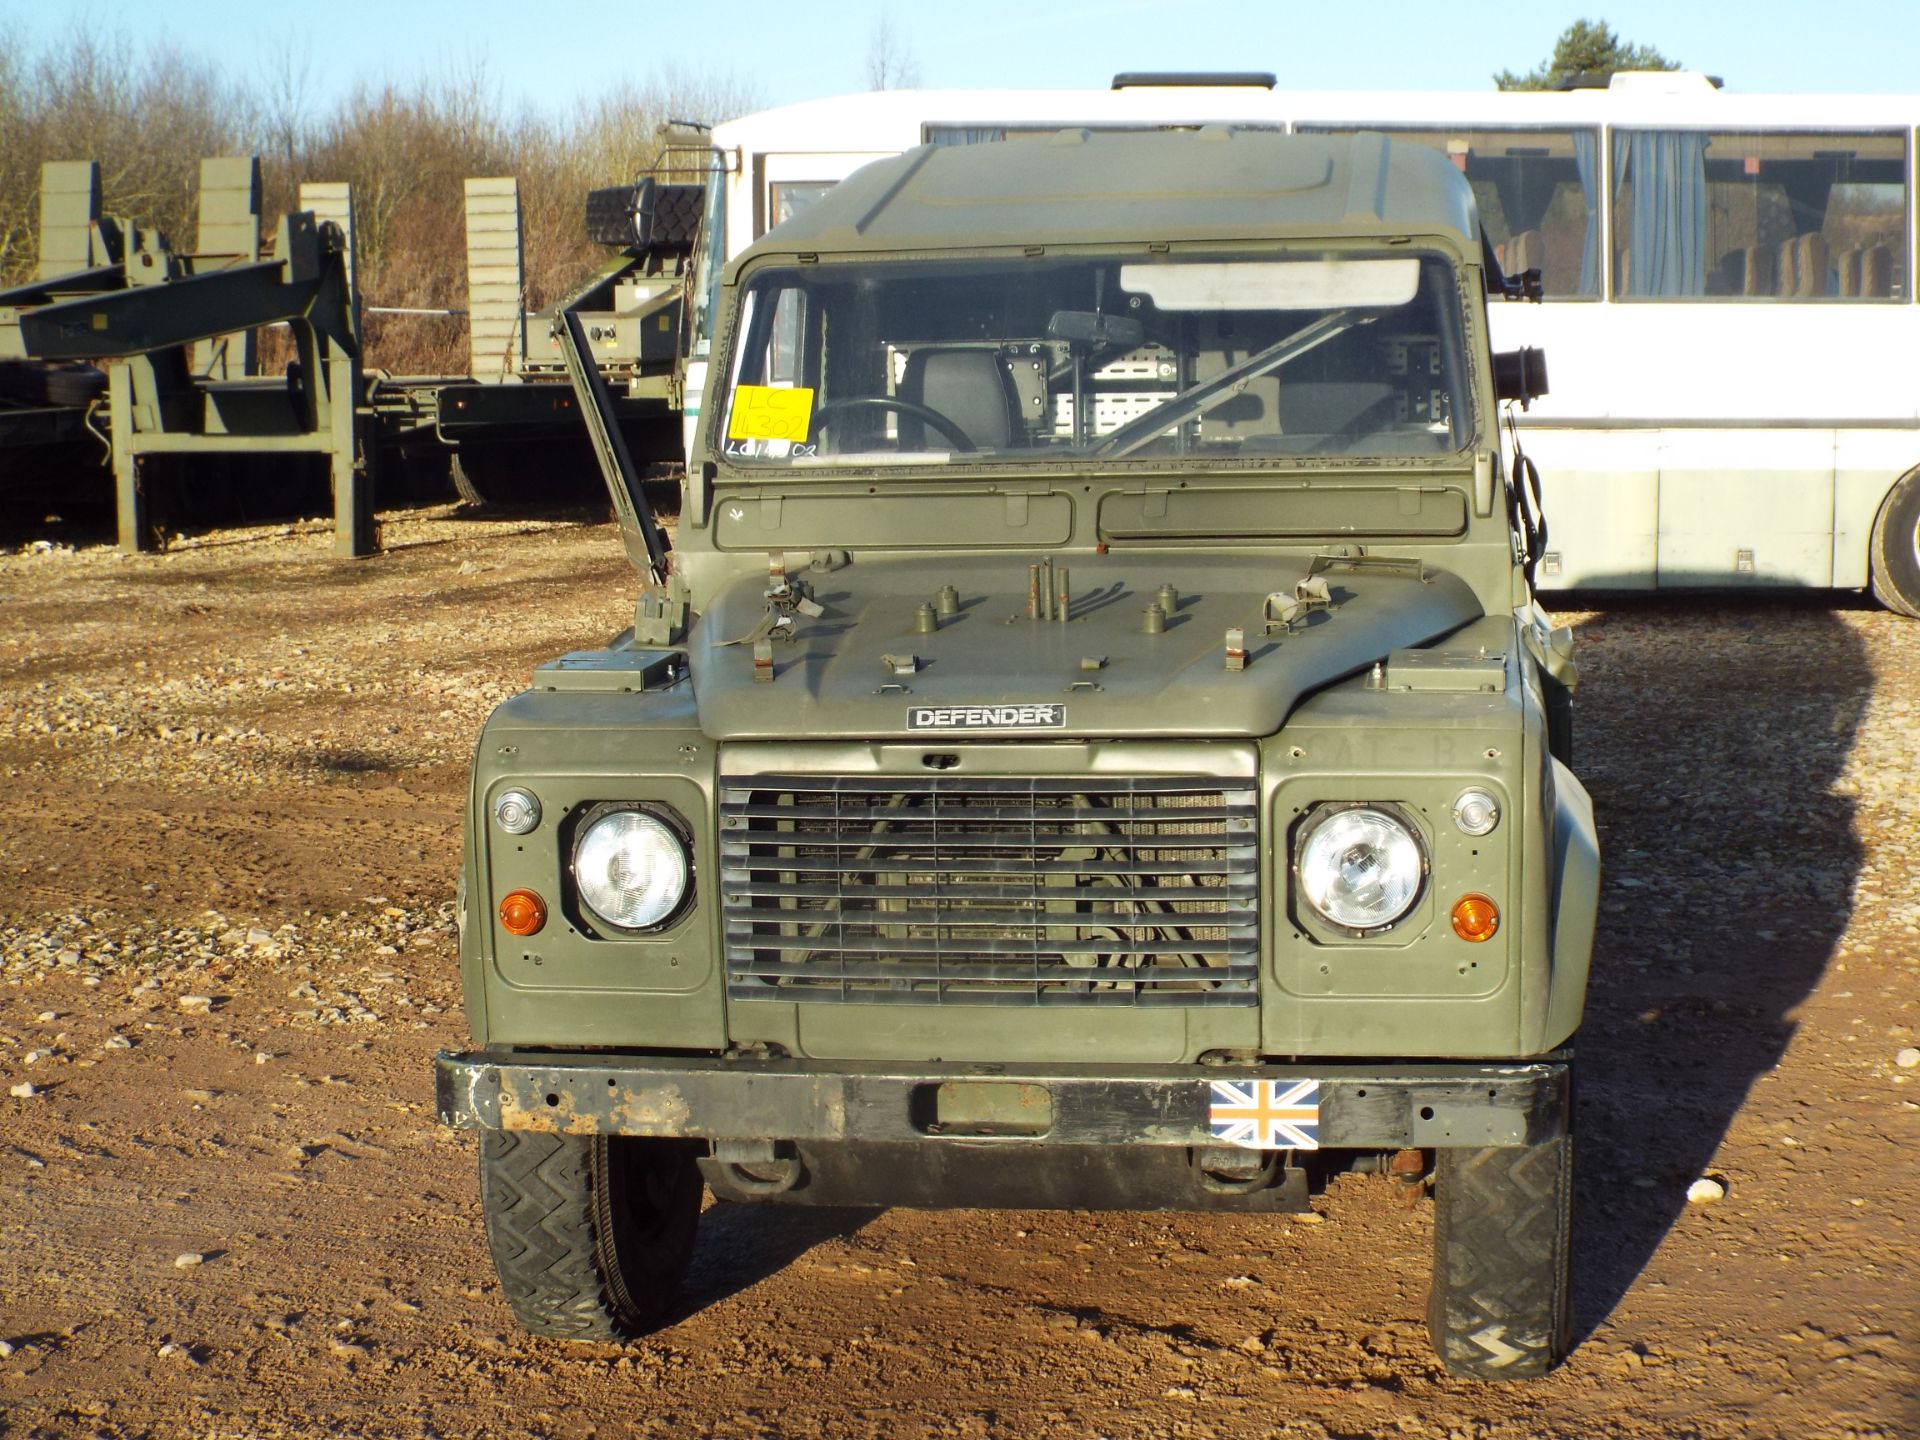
column 230, row 786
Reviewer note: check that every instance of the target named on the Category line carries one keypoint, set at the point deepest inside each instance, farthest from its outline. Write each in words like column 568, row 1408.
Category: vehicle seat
column 1323, row 407
column 1526, row 251
column 1876, row 272
column 969, row 387
column 1746, row 270
column 1803, row 265
column 1757, row 270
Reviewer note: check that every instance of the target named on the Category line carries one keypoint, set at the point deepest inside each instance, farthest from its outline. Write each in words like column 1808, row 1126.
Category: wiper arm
column 1201, row 398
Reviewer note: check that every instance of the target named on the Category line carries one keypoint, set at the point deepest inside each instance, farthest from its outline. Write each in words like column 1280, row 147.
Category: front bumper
column 1379, row 1106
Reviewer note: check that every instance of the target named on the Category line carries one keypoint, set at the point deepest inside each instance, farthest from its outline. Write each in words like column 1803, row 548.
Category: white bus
column 1728, row 283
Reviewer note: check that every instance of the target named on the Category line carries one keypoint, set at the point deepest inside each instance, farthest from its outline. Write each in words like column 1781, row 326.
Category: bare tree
column 150, row 114
column 19, row 164
column 147, row 116
column 287, row 102
column 891, row 63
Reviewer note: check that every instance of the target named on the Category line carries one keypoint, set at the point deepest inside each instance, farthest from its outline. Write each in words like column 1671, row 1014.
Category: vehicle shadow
column 1729, row 863
column 741, row 1245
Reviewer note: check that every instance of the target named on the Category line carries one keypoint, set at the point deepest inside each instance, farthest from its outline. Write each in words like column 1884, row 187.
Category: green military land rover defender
column 1093, row 746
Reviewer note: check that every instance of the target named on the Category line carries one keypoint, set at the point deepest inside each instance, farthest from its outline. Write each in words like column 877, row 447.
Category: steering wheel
column 961, row 440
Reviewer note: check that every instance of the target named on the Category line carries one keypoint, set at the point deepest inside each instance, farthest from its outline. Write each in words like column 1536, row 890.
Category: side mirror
column 1520, row 374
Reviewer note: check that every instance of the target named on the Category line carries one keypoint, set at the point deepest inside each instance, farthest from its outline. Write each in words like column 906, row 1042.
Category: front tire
column 1894, row 552
column 590, row 1234
column 1501, row 1305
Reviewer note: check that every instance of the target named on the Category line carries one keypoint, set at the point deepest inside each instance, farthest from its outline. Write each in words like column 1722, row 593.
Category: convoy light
column 522, row 913
column 1475, row 918
column 516, row 811
column 632, row 868
column 1476, row 812
column 1360, row 868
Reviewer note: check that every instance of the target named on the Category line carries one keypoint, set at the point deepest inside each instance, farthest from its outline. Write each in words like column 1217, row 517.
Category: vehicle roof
column 1083, row 187
column 875, row 120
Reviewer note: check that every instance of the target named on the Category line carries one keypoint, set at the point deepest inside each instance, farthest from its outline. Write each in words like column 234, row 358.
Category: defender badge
column 986, row 717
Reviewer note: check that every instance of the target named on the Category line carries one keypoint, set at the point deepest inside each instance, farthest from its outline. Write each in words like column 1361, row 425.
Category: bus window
column 1762, row 216
column 963, row 134
column 790, row 197
column 992, row 134
column 1538, row 193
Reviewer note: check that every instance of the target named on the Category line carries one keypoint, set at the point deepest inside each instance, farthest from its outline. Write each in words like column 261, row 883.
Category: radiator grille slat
column 927, row 890
column 833, row 864
column 998, row 815
column 1233, row 917
column 1238, row 888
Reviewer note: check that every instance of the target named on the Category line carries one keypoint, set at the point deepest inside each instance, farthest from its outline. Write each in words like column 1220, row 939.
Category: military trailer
column 1094, row 746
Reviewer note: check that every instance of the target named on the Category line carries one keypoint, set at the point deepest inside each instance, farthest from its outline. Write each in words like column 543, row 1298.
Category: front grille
column 925, row 890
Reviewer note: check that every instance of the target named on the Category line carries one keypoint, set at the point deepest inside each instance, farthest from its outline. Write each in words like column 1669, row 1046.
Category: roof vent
column 1195, row 79
column 1664, row 82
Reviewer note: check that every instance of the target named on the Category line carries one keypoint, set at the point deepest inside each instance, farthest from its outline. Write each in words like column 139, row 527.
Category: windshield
column 1021, row 361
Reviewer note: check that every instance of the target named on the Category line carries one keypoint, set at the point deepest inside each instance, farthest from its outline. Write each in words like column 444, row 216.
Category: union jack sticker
column 1266, row 1114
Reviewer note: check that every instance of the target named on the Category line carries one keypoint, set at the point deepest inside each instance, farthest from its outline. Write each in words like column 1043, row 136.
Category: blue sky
column 544, row 52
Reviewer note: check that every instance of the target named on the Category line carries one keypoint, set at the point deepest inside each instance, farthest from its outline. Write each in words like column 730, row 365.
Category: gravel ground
column 233, row 779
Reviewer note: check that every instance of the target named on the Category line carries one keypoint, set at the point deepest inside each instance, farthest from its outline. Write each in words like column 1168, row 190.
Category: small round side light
column 523, row 913
column 1475, row 918
column 1476, row 813
column 516, row 811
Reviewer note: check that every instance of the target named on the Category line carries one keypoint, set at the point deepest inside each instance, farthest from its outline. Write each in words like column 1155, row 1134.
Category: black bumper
column 1360, row 1106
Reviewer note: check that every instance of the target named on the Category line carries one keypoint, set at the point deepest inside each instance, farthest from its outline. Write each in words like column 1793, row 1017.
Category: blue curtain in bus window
column 1666, row 174
column 1586, row 159
column 965, row 134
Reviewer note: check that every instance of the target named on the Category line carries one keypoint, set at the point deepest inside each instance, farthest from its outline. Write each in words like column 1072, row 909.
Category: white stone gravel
column 328, row 987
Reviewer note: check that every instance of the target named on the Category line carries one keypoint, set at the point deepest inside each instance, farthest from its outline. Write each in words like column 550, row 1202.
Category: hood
column 990, row 672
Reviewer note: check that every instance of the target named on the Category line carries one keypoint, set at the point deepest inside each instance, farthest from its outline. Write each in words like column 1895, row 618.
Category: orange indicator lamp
column 1475, row 918
column 523, row 913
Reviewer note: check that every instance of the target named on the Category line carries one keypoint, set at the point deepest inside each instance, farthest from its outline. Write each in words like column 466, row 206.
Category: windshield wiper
column 1143, row 429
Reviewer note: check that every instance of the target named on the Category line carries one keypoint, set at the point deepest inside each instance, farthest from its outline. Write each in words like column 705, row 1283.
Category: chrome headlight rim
column 1315, row 821
column 595, row 921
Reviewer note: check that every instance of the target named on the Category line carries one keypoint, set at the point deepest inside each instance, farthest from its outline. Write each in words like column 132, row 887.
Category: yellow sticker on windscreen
column 761, row 412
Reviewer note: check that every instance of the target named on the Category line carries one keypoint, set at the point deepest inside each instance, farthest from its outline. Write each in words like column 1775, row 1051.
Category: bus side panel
column 1601, row 493
column 1746, row 507
column 786, row 182
column 1866, row 464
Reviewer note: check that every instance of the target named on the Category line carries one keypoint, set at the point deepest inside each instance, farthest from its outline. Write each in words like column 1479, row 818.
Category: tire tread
column 1501, row 1307
column 1895, row 576
column 548, row 1202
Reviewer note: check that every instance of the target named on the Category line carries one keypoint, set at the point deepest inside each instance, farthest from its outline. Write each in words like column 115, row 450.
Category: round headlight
column 516, row 811
column 1361, row 869
column 1476, row 812
column 631, row 869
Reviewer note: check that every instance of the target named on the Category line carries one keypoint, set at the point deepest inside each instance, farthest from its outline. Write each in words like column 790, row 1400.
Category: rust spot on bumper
column 526, row 1103
column 519, row 1111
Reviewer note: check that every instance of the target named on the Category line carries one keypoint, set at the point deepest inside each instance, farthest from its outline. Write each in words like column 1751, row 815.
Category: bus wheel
column 1894, row 552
